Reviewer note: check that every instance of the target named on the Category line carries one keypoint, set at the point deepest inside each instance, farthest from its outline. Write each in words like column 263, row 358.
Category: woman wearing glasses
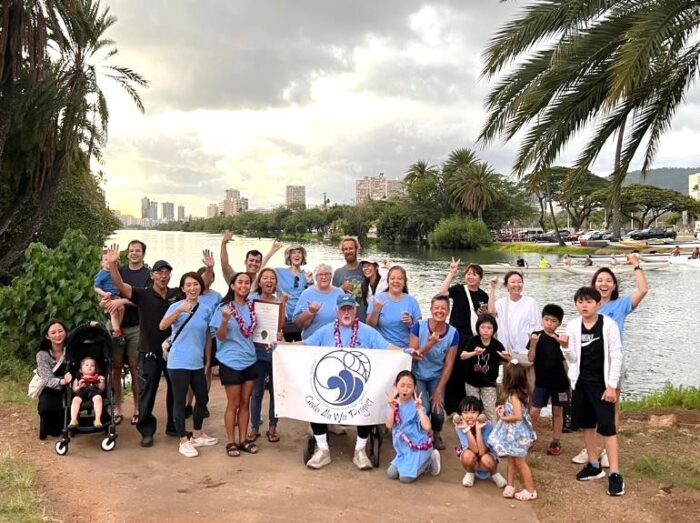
column 317, row 304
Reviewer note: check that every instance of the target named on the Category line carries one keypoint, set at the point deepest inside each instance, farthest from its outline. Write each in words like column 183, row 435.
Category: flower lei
column 246, row 331
column 354, row 339
column 411, row 445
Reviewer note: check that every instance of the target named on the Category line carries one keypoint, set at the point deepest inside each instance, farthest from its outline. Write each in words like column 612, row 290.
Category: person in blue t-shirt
column 436, row 343
column 317, row 305
column 234, row 323
column 346, row 331
column 394, row 312
column 189, row 322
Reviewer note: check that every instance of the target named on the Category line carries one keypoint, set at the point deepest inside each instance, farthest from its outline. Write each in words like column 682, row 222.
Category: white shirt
column 516, row 321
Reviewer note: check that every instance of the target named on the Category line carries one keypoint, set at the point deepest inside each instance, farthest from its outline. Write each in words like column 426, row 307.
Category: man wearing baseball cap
column 347, row 331
column 152, row 303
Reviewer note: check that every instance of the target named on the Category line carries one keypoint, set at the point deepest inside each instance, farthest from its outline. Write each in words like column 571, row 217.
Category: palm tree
column 612, row 65
column 458, row 159
column 418, row 170
column 473, row 188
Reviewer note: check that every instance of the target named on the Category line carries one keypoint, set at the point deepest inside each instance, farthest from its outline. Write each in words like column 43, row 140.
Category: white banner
column 335, row 385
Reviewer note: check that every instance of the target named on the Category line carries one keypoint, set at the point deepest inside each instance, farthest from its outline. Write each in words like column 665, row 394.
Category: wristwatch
column 638, row 268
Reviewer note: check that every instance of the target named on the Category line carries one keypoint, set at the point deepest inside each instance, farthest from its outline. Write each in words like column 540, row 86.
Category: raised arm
column 208, row 261
column 454, row 269
column 226, row 268
column 113, row 260
column 642, row 284
column 276, row 246
column 492, row 296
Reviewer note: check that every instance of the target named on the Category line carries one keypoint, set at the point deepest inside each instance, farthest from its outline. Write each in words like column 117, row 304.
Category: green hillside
column 675, row 178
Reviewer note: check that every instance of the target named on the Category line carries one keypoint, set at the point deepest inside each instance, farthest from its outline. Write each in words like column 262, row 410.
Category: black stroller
column 93, row 341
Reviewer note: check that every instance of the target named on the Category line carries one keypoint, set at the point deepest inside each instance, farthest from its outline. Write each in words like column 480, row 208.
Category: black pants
column 51, row 415
column 151, row 367
column 181, row 380
column 321, row 428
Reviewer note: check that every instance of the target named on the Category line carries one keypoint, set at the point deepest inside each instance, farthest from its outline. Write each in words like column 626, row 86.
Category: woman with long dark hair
column 51, row 368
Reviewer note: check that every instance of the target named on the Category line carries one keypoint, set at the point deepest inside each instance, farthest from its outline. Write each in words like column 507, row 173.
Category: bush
column 54, row 283
column 670, row 397
column 460, row 233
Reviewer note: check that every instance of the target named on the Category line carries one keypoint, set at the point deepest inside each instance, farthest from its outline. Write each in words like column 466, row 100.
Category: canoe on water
column 617, row 269
column 502, row 268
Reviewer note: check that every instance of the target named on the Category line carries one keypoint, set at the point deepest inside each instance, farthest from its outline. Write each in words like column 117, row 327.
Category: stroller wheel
column 61, row 448
column 309, row 449
column 108, row 444
column 375, row 444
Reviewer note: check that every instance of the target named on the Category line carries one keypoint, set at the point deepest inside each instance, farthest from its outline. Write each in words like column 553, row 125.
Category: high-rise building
column 145, row 207
column 296, row 196
column 212, row 210
column 153, row 211
column 181, row 213
column 233, row 203
column 694, row 186
column 376, row 188
column 243, row 205
column 167, row 211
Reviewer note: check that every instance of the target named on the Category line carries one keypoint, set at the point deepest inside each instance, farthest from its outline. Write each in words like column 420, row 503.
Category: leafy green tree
column 583, row 194
column 473, row 188
column 460, row 233
column 420, row 169
column 649, row 203
column 511, row 207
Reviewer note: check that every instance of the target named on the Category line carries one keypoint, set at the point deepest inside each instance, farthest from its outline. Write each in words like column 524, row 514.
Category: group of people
column 458, row 353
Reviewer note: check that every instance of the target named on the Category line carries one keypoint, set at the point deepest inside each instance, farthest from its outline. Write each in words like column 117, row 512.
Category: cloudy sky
column 255, row 95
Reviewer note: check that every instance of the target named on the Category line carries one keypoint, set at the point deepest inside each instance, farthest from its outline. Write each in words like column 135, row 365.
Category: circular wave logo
column 340, row 377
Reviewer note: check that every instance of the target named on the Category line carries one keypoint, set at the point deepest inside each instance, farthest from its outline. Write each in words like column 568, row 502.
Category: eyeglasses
column 296, row 282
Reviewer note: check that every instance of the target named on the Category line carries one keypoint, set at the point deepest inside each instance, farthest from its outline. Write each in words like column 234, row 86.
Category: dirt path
column 157, row 484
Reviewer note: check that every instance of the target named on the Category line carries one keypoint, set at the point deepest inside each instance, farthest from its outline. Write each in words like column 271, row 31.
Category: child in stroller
column 87, row 386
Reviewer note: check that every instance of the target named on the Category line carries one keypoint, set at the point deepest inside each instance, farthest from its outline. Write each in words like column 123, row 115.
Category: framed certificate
column 268, row 318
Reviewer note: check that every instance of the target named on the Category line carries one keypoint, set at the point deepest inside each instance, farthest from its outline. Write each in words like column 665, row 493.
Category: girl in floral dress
column 514, row 435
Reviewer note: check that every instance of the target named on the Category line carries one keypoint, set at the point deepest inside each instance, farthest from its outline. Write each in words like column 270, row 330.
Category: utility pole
column 325, row 201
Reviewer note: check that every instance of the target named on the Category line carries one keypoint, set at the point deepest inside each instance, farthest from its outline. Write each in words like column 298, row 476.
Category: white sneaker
column 320, row 459
column 361, row 460
column 435, row 463
column 604, row 461
column 337, row 429
column 468, row 479
column 499, row 480
column 187, row 450
column 581, row 458
column 203, row 441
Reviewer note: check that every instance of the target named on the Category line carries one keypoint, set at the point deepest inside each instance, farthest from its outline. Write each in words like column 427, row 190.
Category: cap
column 346, row 300
column 161, row 264
column 373, row 262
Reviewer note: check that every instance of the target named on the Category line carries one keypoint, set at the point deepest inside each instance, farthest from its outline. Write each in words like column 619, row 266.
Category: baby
column 88, row 385
column 106, row 289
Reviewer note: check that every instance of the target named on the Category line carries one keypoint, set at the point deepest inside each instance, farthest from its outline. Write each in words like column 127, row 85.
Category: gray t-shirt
column 359, row 287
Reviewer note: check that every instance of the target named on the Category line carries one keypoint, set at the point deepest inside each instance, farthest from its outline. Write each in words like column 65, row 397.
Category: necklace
column 353, row 338
column 246, row 331
column 402, row 435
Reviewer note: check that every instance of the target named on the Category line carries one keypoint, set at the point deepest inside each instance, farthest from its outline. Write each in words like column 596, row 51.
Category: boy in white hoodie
column 593, row 350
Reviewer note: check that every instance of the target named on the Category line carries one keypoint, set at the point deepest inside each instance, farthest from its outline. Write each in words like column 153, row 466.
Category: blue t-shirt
column 485, row 433
column 433, row 363
column 292, row 285
column 618, row 310
column 236, row 351
column 187, row 353
column 367, row 337
column 104, row 281
column 210, row 300
column 389, row 324
column 326, row 314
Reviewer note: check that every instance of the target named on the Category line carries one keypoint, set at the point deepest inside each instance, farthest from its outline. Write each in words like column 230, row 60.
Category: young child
column 551, row 380
column 105, row 288
column 594, row 352
column 473, row 431
column 513, row 435
column 482, row 356
column 87, row 385
column 411, row 432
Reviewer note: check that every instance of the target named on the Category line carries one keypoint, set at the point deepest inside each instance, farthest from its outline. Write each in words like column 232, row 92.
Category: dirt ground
column 157, row 484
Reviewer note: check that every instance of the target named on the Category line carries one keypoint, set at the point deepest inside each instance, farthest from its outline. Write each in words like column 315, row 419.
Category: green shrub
column 670, row 397
column 54, row 283
column 460, row 233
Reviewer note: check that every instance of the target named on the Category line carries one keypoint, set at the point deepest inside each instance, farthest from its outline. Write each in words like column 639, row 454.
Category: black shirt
column 549, row 366
column 139, row 278
column 152, row 307
column 460, row 317
column 482, row 370
column 592, row 367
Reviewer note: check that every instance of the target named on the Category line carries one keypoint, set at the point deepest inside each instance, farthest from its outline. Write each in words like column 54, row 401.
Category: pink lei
column 353, row 339
column 411, row 445
column 245, row 330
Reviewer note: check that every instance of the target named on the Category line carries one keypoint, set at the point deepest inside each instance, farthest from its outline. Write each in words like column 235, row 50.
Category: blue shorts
column 541, row 397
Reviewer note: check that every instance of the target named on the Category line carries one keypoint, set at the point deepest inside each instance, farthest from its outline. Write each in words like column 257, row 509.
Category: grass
column 537, row 247
column 667, row 472
column 670, row 397
column 19, row 498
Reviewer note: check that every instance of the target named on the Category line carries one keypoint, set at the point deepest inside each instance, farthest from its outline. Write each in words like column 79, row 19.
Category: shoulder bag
column 37, row 383
column 168, row 343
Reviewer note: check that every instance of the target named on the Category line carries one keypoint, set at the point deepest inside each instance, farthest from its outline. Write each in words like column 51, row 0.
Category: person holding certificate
column 269, row 307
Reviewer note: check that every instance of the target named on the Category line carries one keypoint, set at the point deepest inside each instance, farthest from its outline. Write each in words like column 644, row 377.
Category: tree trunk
column 7, row 97
column 554, row 218
column 616, row 196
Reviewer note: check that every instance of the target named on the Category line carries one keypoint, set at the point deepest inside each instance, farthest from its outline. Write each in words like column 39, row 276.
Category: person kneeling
column 87, row 386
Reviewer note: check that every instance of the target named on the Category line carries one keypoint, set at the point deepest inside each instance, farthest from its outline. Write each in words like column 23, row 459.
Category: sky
column 257, row 95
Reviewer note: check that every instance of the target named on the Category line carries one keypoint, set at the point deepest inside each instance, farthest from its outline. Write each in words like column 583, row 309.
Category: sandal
column 118, row 418
column 232, row 450
column 135, row 418
column 272, row 436
column 253, row 435
column 509, row 491
column 526, row 495
column 249, row 447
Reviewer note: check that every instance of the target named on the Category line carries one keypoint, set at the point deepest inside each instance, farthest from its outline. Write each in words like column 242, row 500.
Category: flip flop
column 249, row 447
column 253, row 436
column 118, row 418
column 135, row 419
column 272, row 437
column 232, row 450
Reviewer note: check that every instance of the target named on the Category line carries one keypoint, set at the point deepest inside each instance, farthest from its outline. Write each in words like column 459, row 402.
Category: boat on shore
column 633, row 244
column 594, row 243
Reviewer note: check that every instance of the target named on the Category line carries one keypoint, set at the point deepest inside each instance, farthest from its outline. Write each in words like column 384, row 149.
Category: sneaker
column 435, row 466
column 147, row 441
column 616, row 485
column 188, row 450
column 499, row 480
column 320, row 459
column 336, row 429
column 604, row 461
column 203, row 441
column 361, row 460
column 581, row 457
column 554, row 449
column 590, row 472
column 468, row 479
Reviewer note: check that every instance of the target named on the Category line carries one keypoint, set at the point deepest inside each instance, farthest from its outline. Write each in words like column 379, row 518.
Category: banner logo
column 339, row 377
